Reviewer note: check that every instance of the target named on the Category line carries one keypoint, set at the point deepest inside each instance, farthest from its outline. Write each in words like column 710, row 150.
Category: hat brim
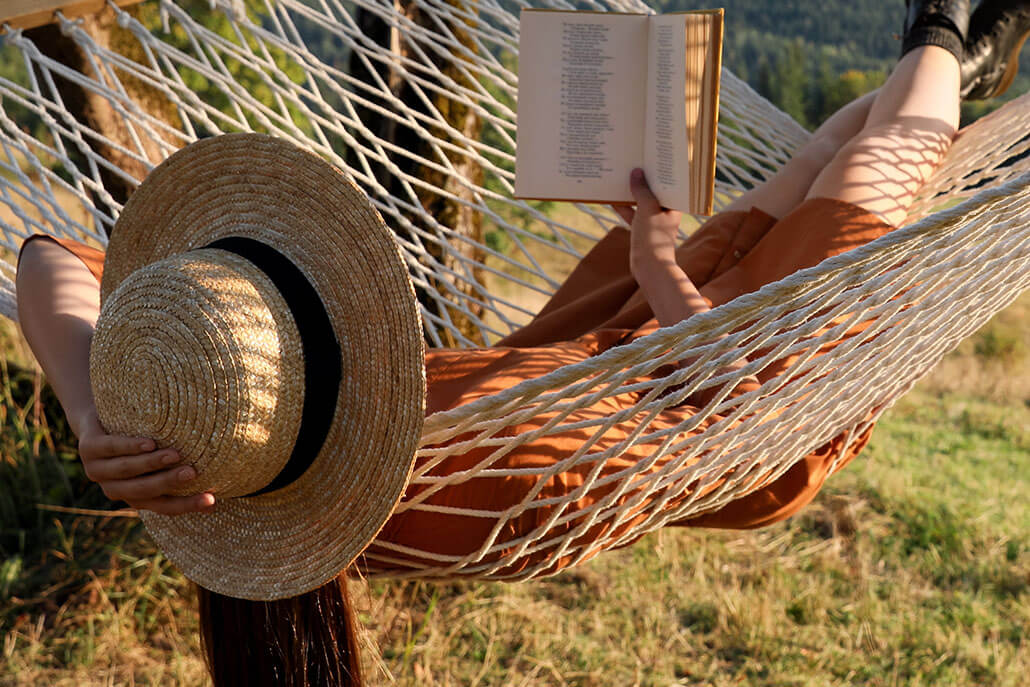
column 295, row 539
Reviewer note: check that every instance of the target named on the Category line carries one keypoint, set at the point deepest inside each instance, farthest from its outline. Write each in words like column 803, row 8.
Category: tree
column 95, row 111
column 837, row 91
column 792, row 81
column 458, row 217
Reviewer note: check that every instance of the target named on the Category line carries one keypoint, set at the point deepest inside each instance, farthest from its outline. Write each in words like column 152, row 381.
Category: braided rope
column 917, row 291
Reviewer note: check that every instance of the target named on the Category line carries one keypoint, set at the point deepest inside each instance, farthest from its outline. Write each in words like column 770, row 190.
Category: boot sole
column 1010, row 71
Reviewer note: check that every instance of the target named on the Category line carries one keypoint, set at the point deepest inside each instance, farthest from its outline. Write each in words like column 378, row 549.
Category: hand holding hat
column 257, row 316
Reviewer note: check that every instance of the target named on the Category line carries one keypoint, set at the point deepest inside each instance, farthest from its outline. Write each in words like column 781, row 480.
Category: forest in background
column 809, row 57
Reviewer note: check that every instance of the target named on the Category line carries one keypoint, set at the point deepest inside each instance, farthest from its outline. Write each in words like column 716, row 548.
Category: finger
column 149, row 486
column 128, row 467
column 625, row 212
column 646, row 201
column 177, row 505
column 109, row 446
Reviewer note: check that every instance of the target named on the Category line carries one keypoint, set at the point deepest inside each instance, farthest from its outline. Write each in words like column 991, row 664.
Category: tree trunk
column 95, row 111
column 450, row 213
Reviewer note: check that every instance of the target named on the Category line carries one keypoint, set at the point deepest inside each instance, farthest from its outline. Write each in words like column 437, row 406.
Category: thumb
column 646, row 200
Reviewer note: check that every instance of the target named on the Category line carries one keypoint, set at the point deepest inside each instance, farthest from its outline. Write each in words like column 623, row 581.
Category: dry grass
column 28, row 211
column 993, row 364
column 911, row 568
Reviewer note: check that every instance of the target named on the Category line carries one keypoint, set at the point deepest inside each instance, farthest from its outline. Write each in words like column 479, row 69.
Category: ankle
column 936, row 35
column 944, row 23
column 931, row 64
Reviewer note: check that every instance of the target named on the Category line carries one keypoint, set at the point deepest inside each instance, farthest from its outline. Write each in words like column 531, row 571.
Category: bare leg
column 785, row 190
column 909, row 129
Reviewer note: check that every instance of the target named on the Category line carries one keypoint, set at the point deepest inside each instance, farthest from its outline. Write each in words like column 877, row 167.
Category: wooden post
column 28, row 14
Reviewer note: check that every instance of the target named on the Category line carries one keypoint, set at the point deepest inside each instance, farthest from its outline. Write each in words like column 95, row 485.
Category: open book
column 601, row 93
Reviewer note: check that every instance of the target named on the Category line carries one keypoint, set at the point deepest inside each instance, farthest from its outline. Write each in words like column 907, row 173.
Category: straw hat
column 257, row 316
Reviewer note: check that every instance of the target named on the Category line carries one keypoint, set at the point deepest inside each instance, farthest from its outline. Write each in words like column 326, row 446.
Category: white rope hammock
column 920, row 289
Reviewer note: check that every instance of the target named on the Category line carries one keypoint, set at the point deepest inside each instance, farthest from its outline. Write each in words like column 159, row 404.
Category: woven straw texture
column 190, row 353
column 922, row 288
column 263, row 188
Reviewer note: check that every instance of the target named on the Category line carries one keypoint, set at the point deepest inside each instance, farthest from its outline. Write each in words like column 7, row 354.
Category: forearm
column 58, row 305
column 669, row 291
column 673, row 297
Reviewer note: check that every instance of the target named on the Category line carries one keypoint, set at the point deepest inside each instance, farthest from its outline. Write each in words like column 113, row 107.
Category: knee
column 818, row 152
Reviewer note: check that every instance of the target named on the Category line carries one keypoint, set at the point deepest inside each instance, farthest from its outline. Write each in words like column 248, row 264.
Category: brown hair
column 304, row 641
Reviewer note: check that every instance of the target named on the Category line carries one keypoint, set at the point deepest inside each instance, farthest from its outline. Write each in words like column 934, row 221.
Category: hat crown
column 341, row 273
column 199, row 351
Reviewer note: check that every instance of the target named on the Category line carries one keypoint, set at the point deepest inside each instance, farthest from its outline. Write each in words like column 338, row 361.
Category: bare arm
column 58, row 305
column 673, row 297
column 654, row 233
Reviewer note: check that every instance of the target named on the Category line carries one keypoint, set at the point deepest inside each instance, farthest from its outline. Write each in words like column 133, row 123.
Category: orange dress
column 599, row 306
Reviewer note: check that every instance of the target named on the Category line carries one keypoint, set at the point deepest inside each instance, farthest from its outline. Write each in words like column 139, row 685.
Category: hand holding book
column 654, row 229
column 673, row 297
column 654, row 233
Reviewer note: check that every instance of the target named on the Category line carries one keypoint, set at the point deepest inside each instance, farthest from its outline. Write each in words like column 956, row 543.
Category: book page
column 666, row 152
column 582, row 90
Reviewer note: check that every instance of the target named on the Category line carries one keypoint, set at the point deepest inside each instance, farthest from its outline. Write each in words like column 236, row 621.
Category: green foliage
column 254, row 83
column 808, row 57
column 999, row 343
column 32, row 469
column 861, row 31
column 12, row 68
column 784, row 80
column 837, row 90
column 38, row 466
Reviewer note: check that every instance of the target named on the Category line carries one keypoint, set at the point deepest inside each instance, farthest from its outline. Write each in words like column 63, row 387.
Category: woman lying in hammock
column 852, row 182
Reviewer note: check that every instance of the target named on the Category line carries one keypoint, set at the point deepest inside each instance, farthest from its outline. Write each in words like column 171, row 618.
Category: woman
column 853, row 181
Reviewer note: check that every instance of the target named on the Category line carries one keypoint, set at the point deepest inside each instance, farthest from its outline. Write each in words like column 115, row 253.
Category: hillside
column 810, row 56
column 836, row 34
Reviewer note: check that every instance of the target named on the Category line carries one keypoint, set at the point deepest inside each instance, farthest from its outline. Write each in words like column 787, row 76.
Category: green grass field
column 912, row 567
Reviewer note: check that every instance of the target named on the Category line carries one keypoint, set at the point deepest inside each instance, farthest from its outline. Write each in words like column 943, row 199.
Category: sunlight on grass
column 912, row 567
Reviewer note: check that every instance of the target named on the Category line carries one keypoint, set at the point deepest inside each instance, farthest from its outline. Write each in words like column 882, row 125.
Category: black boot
column 943, row 23
column 996, row 34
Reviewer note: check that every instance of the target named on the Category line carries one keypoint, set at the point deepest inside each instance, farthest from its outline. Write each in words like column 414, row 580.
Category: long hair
column 304, row 641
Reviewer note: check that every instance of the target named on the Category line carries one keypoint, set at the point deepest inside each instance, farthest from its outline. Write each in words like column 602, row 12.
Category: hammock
column 342, row 78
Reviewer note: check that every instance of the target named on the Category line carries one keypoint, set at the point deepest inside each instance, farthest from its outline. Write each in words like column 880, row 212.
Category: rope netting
column 416, row 100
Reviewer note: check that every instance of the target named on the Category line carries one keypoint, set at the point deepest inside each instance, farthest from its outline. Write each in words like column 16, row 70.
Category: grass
column 912, row 567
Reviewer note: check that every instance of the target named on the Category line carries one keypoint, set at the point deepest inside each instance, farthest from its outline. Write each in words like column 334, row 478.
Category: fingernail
column 146, row 446
column 186, row 474
column 169, row 458
column 637, row 174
